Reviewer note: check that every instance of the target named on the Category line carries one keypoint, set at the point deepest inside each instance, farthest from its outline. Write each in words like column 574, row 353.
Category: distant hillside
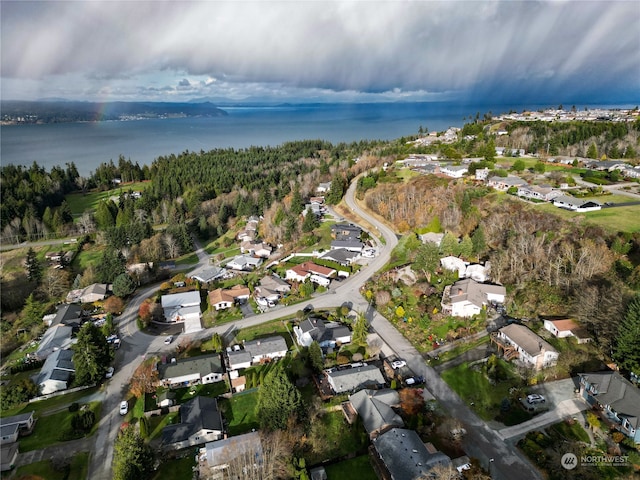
column 63, row 112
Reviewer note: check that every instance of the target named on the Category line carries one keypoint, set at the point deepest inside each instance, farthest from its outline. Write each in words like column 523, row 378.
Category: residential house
column 505, row 183
column 404, row 456
column 297, row 273
column 266, row 349
column 57, row 337
column 244, row 263
column 68, row 315
column 467, row 297
column 218, row 458
column 454, row 263
column 256, row 249
column 209, row 274
column 323, row 187
column 341, row 256
column 315, row 208
column 238, row 359
column 345, row 231
column 326, row 334
column 431, row 237
column 200, row 422
column 375, row 409
column 576, row 204
column 538, row 192
column 605, row 165
column 183, row 308
column 272, row 288
column 567, row 328
column 477, row 272
column 191, row 371
column 532, row 350
column 92, row 293
column 353, row 379
column 11, row 428
column 238, row 383
column 222, row 299
column 454, row 171
column 56, row 372
column 351, row 245
column 618, row 398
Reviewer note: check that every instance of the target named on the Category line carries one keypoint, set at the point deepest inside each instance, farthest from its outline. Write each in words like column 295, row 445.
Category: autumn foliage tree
column 113, row 305
column 144, row 378
column 411, row 401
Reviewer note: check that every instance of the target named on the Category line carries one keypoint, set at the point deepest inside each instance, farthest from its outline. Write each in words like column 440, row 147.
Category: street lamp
column 491, row 460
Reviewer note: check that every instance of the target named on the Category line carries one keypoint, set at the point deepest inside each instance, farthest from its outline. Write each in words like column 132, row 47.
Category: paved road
column 481, row 442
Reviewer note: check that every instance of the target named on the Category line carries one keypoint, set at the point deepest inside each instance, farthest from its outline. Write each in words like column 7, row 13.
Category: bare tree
column 86, row 223
column 171, row 245
column 56, row 282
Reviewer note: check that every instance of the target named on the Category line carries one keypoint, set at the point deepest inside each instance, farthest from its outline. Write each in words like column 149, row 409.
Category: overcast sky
column 561, row 51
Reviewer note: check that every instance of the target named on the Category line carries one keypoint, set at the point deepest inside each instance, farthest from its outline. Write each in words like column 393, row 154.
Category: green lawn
column 275, row 327
column 78, row 469
column 358, row 468
column 617, row 219
column 51, row 429
column 323, row 232
column 338, row 438
column 50, row 404
column 240, row 412
column 91, row 256
column 81, row 202
column 474, row 387
column 179, row 469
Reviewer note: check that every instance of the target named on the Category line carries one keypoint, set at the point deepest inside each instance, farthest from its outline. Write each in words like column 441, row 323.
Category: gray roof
column 203, row 365
column 239, row 356
column 336, row 244
column 199, row 413
column 208, row 274
column 8, row 454
column 616, row 391
column 576, row 202
column 67, row 314
column 354, row 378
column 176, row 300
column 374, row 407
column 340, row 255
column 17, row 419
column 57, row 366
column 511, row 180
column 56, row 337
column 264, row 346
column 474, row 292
column 526, row 339
column 272, row 282
column 405, row 456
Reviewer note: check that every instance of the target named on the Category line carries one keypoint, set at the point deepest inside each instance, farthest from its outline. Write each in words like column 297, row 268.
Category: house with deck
column 519, row 342
column 617, row 399
column 266, row 349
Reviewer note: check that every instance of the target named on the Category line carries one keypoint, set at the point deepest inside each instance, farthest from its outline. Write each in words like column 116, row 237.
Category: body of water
column 89, row 144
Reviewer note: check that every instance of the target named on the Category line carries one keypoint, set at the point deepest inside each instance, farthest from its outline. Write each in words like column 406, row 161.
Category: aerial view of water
column 89, row 144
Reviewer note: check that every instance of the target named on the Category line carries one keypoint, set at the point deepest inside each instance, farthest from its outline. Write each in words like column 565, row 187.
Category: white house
column 532, row 350
column 505, row 183
column 326, row 334
column 454, row 263
column 244, row 262
column 467, row 297
column 575, row 204
column 567, row 328
column 191, row 371
column 12, row 427
column 297, row 274
column 256, row 249
column 266, row 349
column 239, row 359
column 454, row 171
column 183, row 308
column 538, row 192
column 431, row 237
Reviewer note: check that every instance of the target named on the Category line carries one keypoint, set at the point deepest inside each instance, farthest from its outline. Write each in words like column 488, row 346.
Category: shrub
column 74, row 407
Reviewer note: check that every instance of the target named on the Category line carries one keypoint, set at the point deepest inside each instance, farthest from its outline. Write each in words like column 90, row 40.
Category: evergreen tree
column 627, row 351
column 338, row 186
column 427, row 258
column 132, row 457
column 111, row 265
column 296, row 202
column 31, row 313
column 34, row 267
column 479, row 242
column 518, row 165
column 592, row 151
column 315, row 357
column 278, row 399
column 123, row 285
column 91, row 355
column 449, row 244
column 360, row 330
column 310, row 222
column 466, row 247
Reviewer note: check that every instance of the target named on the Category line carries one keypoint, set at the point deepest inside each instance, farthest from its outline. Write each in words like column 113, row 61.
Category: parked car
column 124, row 407
column 535, row 398
column 398, row 364
column 410, row 381
column 168, row 340
column 109, row 373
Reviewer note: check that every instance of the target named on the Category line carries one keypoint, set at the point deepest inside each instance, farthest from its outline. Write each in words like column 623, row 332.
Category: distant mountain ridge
column 62, row 111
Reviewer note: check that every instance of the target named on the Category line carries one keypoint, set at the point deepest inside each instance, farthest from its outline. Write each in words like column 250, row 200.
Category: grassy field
column 50, row 404
column 240, row 412
column 50, row 429
column 358, row 468
column 81, row 202
column 617, row 219
column 78, row 469
column 323, row 232
column 275, row 327
column 180, row 469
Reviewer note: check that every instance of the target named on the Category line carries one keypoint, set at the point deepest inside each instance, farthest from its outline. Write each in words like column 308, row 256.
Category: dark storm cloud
column 371, row 47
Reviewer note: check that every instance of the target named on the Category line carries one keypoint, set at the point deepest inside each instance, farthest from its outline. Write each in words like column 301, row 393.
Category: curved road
column 481, row 442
